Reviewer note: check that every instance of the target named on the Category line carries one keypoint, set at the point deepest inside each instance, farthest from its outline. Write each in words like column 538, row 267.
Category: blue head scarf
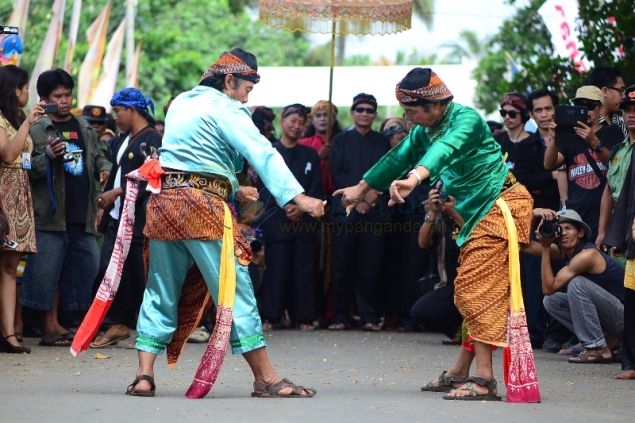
column 132, row 97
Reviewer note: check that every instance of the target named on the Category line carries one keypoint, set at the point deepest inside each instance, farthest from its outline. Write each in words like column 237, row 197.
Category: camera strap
column 594, row 166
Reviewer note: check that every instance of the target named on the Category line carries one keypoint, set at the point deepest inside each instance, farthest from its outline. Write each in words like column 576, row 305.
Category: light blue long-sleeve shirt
column 208, row 132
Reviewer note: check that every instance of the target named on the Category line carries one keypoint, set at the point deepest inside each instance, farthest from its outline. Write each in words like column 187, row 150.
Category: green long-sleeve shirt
column 459, row 150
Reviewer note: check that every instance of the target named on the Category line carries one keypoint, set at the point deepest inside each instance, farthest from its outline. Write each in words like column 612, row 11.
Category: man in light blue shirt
column 208, row 134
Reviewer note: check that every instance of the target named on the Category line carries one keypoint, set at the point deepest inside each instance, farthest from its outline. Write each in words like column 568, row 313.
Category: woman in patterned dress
column 15, row 193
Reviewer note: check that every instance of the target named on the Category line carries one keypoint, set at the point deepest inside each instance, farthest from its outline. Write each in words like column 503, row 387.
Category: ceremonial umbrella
column 337, row 17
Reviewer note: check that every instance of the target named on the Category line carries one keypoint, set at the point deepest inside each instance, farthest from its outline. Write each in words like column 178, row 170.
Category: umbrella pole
column 329, row 128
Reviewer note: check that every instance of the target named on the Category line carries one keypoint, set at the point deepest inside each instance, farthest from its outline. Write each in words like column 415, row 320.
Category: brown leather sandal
column 472, row 394
column 132, row 388
column 273, row 390
column 445, row 383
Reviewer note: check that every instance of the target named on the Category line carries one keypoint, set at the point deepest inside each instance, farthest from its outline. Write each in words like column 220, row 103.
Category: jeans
column 588, row 310
column 65, row 260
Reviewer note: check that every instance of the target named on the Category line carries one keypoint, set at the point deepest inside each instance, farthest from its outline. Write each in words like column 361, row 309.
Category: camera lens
column 549, row 229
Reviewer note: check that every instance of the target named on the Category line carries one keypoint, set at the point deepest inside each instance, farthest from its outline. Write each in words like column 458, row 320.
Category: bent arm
column 553, row 158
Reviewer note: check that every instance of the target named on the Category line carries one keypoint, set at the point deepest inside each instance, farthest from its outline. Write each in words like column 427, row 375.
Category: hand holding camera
column 55, row 148
column 549, row 229
column 587, row 133
column 36, row 113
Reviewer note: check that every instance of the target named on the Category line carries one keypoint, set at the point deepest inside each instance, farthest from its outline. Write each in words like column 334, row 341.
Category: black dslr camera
column 550, row 229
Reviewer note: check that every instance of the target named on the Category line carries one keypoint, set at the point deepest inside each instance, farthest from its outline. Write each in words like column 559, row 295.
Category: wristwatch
column 599, row 149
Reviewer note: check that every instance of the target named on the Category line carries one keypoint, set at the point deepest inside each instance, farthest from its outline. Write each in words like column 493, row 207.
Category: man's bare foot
column 626, row 375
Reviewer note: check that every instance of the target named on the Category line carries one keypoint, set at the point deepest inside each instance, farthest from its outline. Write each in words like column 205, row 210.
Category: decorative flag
column 559, row 17
column 131, row 13
column 19, row 15
column 89, row 71
column 106, row 87
column 48, row 52
column 132, row 77
column 72, row 35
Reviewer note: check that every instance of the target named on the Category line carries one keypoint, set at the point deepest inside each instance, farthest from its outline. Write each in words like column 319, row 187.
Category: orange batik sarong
column 483, row 292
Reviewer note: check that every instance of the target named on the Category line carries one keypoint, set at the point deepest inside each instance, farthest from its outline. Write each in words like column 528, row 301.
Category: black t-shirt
column 76, row 182
column 585, row 187
column 508, row 148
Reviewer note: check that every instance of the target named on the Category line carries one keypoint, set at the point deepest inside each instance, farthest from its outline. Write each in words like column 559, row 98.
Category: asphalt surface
column 360, row 377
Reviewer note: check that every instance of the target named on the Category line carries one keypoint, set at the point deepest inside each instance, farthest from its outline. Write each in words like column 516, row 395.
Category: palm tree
column 468, row 46
column 424, row 9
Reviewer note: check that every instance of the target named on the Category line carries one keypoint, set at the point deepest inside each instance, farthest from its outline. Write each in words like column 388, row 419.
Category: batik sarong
column 481, row 288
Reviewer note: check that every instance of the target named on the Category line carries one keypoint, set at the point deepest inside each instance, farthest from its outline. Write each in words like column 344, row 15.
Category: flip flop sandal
column 472, row 395
column 572, row 350
column 132, row 388
column 273, row 390
column 55, row 340
column 105, row 341
column 591, row 357
column 445, row 383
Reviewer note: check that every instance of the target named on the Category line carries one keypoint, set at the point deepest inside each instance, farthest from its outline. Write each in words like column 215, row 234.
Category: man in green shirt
column 453, row 143
column 619, row 162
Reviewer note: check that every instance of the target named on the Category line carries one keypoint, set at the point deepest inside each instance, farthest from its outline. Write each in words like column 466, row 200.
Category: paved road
column 360, row 377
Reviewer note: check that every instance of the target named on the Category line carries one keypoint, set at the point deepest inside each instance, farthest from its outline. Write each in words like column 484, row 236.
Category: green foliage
column 179, row 38
column 525, row 40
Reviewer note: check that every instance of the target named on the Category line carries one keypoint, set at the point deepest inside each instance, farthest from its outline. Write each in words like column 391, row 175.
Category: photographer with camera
column 65, row 187
column 583, row 145
column 435, row 309
column 586, row 295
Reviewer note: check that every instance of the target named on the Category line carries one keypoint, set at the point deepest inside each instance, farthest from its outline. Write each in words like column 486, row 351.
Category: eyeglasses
column 368, row 110
column 512, row 113
column 619, row 90
column 590, row 105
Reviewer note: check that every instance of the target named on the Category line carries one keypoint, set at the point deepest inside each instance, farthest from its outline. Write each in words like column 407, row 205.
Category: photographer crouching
column 435, row 309
column 586, row 295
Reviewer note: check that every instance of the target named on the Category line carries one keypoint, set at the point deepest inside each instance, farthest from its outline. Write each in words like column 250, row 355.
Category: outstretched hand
column 313, row 206
column 351, row 196
column 399, row 190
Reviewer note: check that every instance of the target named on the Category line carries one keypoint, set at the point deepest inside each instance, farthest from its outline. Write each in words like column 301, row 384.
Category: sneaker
column 199, row 336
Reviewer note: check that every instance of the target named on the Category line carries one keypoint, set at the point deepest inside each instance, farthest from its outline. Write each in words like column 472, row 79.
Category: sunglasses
column 590, row 105
column 512, row 113
column 368, row 110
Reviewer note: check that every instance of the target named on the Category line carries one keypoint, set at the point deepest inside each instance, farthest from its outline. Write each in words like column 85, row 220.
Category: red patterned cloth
column 110, row 283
